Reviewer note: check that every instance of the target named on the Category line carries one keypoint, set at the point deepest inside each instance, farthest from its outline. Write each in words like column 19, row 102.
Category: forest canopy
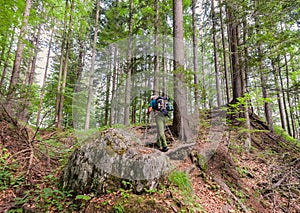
column 90, row 64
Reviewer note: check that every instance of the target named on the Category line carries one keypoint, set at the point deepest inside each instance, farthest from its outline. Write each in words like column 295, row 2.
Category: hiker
column 160, row 123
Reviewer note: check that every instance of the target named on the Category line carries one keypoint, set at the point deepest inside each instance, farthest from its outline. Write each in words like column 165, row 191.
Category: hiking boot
column 165, row 149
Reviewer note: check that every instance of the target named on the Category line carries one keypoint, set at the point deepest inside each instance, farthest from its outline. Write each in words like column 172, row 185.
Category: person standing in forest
column 160, row 124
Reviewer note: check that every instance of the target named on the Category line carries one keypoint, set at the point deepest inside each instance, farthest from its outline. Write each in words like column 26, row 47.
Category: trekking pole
column 170, row 133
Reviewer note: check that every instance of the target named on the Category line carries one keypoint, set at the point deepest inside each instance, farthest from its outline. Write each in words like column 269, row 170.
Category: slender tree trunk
column 267, row 105
column 224, row 56
column 244, row 71
column 284, row 102
column 65, row 71
column 19, row 52
column 91, row 76
column 288, row 96
column 107, row 93
column 156, row 44
column 134, row 102
column 279, row 99
column 61, row 63
column 30, row 76
column 34, row 60
column 112, row 107
column 128, row 74
column 3, row 49
column 195, row 56
column 203, row 90
column 38, row 120
column 5, row 65
column 218, row 83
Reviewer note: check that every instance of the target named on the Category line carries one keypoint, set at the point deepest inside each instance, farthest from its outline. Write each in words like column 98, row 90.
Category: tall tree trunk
column 156, row 44
column 288, row 96
column 195, row 56
column 79, row 73
column 107, row 93
column 233, row 38
column 34, row 60
column 267, row 105
column 236, row 74
column 203, row 91
column 26, row 102
column 61, row 64
column 128, row 72
column 19, row 52
column 224, row 55
column 65, row 71
column 284, row 102
column 38, row 119
column 6, row 61
column 218, row 83
column 91, row 76
column 234, row 55
column 279, row 98
column 244, row 71
column 113, row 90
column 180, row 120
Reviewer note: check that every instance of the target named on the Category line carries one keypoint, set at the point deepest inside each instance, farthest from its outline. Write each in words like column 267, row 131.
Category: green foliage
column 182, row 181
column 7, row 177
column 84, row 199
column 118, row 208
column 286, row 136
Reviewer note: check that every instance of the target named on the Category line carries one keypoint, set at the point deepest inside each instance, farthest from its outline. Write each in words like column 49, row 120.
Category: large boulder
column 112, row 159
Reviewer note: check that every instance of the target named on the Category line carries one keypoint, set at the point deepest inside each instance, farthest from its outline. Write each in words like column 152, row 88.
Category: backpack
column 163, row 105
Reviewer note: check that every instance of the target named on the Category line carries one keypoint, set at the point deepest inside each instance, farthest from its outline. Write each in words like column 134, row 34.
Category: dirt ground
column 266, row 179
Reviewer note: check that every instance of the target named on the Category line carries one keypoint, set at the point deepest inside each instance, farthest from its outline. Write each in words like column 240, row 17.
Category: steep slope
column 266, row 179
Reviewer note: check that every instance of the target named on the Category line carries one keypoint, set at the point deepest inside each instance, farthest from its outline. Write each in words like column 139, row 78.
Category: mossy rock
column 202, row 162
column 111, row 158
column 199, row 160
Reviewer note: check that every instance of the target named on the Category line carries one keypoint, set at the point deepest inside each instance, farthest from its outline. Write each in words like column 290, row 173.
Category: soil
column 265, row 179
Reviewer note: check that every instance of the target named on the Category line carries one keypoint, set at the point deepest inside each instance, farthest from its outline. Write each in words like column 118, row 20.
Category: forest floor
column 265, row 179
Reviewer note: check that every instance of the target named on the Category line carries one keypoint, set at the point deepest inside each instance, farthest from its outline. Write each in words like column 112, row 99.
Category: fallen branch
column 227, row 190
column 278, row 183
column 30, row 163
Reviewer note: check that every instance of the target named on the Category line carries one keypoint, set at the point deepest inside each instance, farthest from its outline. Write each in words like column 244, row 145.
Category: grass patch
column 286, row 136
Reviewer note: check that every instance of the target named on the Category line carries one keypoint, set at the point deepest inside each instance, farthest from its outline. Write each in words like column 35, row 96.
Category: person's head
column 154, row 97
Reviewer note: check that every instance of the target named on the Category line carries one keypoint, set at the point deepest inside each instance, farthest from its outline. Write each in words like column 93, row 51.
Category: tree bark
column 107, row 93
column 6, row 61
column 244, row 72
column 112, row 107
column 224, row 56
column 218, row 84
column 279, row 98
column 91, row 76
column 19, row 52
column 61, row 63
column 38, row 119
column 128, row 74
column 65, row 71
column 180, row 120
column 156, row 54
column 284, row 103
column 34, row 60
column 195, row 56
column 288, row 96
